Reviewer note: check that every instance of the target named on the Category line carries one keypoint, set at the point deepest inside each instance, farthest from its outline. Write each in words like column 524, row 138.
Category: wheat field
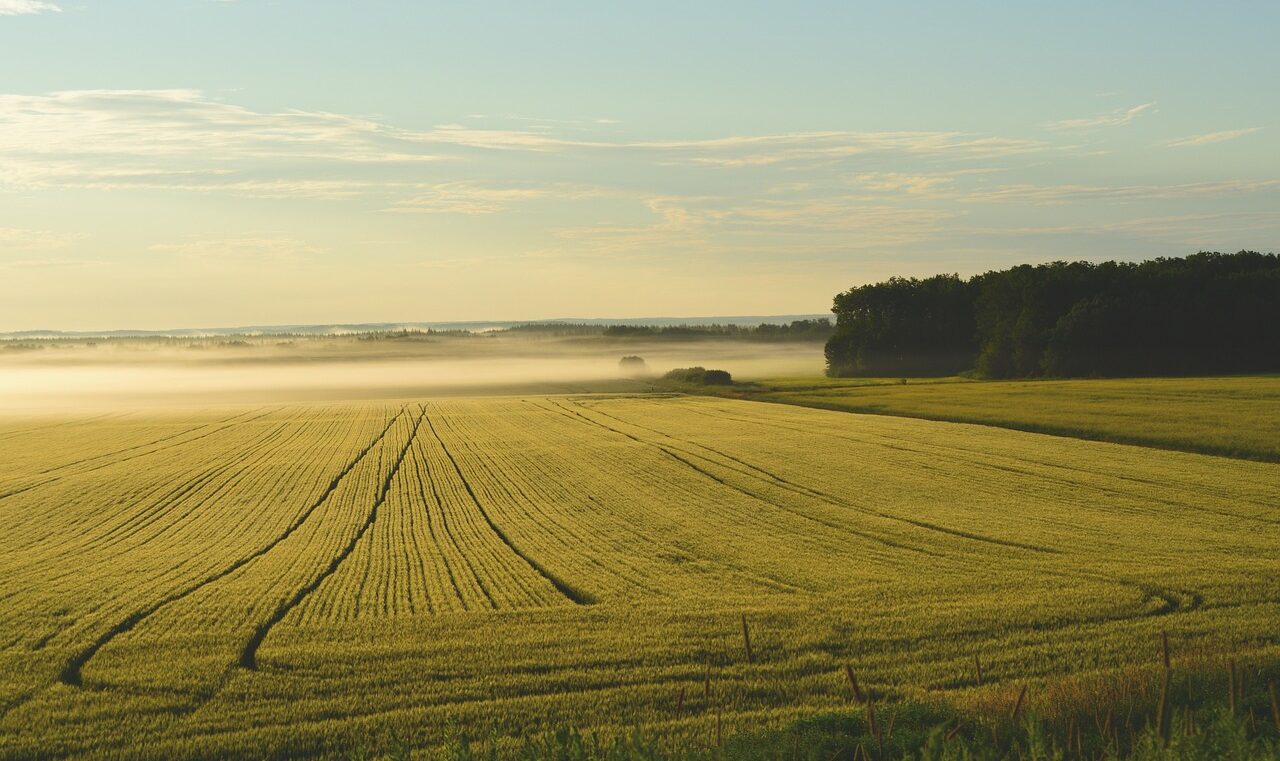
column 1232, row 416
column 282, row 581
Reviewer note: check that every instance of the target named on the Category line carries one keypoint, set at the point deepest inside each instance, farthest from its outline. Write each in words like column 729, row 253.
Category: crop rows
column 279, row 580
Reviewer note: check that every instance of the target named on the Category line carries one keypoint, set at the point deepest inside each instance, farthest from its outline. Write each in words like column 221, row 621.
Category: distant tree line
column 797, row 330
column 1204, row 313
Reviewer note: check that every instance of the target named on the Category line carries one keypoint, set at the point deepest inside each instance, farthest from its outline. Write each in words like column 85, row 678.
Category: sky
column 202, row 163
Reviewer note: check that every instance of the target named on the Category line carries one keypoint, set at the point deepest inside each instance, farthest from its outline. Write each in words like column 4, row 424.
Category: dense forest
column 1204, row 313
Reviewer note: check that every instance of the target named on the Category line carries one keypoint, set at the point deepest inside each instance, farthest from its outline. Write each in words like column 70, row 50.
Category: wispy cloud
column 1058, row 194
column 187, row 141
column 1211, row 137
column 25, row 7
column 18, row 239
column 50, row 263
column 708, row 226
column 810, row 147
column 1117, row 118
column 465, row 198
column 1202, row 230
column 252, row 251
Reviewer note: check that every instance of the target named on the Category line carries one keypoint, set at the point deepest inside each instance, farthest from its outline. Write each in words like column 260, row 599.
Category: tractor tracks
column 249, row 654
column 575, row 596
column 71, row 672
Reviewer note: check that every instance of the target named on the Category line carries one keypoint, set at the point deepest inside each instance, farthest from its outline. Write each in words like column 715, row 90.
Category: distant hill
column 375, row 327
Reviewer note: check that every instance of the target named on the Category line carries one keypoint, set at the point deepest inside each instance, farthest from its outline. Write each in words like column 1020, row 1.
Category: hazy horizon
column 356, row 327
column 200, row 162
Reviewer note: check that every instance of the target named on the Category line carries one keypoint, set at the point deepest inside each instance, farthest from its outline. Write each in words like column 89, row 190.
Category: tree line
column 796, row 330
column 1205, row 313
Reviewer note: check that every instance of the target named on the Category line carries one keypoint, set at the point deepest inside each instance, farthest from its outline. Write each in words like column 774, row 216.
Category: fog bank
column 70, row 378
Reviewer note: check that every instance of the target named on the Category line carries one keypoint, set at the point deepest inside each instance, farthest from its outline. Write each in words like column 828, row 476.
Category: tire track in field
column 964, row 457
column 573, row 595
column 628, row 682
column 887, row 516
column 539, row 487
column 71, row 672
column 758, row 497
column 153, row 442
column 166, row 504
column 832, row 499
column 444, row 530
column 228, row 423
column 75, row 421
column 229, row 471
column 250, row 466
column 248, row 656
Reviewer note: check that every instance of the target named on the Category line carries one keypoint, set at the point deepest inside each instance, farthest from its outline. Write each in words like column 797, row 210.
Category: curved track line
column 887, row 516
column 575, row 596
column 249, row 655
column 54, row 479
column 71, row 672
column 707, row 474
column 444, row 530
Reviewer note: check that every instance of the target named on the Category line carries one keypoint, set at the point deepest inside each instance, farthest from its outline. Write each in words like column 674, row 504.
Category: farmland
column 284, row 580
column 1234, row 416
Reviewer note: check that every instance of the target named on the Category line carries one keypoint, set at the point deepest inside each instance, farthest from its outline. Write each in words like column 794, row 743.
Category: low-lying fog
column 61, row 376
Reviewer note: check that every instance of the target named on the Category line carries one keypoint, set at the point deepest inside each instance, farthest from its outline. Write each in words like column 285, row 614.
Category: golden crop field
column 282, row 581
column 1235, row 416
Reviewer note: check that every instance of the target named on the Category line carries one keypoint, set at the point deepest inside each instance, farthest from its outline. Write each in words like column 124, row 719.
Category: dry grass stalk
column 1164, row 637
column 746, row 638
column 977, row 667
column 1275, row 705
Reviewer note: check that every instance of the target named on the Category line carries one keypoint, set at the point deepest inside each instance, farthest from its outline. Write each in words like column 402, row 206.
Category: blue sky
column 206, row 162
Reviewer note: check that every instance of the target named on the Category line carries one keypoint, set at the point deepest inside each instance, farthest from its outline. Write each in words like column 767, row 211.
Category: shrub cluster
column 699, row 376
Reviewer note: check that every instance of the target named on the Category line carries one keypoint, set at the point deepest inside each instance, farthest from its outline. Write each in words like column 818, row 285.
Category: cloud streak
column 19, row 239
column 466, row 198
column 1118, row 118
column 185, row 140
column 26, row 7
column 1211, row 137
column 571, row 193
column 253, row 251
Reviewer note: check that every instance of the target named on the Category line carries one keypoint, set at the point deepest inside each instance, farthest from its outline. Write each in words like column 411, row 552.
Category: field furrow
column 266, row 582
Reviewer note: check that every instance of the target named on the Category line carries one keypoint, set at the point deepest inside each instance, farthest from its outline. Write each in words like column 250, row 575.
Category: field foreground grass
column 282, row 581
column 1235, row 416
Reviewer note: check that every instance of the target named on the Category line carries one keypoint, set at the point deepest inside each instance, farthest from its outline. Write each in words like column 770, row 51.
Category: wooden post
column 853, row 683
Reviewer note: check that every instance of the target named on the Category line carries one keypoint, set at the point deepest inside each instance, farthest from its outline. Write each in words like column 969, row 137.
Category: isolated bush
column 633, row 366
column 699, row 376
